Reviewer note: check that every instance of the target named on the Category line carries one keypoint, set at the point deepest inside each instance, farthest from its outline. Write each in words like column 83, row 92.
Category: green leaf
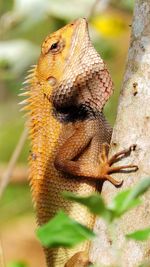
column 122, row 202
column 128, row 199
column 63, row 231
column 140, row 188
column 140, row 235
column 17, row 264
column 94, row 202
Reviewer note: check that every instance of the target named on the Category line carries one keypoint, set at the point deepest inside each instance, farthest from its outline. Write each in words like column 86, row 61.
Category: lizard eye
column 56, row 47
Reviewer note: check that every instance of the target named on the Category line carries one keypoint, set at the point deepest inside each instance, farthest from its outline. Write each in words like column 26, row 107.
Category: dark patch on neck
column 75, row 113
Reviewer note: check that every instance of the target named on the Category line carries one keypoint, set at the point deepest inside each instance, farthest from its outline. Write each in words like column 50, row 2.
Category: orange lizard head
column 71, row 72
column 55, row 53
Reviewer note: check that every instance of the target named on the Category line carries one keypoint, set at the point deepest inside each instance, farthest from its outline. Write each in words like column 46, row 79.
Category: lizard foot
column 80, row 259
column 106, row 164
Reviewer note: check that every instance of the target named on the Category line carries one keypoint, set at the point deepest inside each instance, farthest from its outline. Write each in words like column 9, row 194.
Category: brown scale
column 72, row 155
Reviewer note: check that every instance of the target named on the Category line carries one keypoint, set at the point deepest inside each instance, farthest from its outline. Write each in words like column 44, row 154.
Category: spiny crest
column 27, row 87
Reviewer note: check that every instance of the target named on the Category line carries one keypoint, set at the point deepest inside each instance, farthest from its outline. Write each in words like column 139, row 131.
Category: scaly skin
column 67, row 91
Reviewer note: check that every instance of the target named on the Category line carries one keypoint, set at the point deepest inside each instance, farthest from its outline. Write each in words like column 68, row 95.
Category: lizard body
column 66, row 94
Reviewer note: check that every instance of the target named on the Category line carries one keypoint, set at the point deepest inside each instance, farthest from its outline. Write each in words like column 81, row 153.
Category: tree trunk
column 132, row 127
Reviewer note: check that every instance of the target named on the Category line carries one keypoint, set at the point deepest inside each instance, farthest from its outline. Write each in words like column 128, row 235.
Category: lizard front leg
column 96, row 164
column 106, row 167
column 68, row 156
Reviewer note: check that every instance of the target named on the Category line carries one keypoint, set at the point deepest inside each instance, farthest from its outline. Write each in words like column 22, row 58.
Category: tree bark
column 132, row 127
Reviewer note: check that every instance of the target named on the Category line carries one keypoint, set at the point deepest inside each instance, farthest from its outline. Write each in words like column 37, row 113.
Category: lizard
column 66, row 92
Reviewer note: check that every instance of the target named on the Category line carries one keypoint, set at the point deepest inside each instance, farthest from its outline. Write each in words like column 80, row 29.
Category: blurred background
column 23, row 26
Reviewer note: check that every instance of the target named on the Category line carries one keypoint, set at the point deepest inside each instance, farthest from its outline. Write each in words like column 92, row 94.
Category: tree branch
column 7, row 174
column 132, row 127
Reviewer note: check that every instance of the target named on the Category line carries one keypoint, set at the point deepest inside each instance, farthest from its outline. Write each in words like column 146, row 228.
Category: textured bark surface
column 132, row 127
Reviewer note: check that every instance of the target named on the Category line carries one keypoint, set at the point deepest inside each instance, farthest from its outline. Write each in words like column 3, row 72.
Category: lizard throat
column 75, row 113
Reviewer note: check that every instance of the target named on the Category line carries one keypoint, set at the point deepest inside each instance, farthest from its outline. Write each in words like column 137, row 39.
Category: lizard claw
column 106, row 164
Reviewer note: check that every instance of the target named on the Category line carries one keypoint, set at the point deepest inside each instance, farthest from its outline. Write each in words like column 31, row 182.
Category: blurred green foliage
column 120, row 204
column 15, row 202
column 62, row 231
column 17, row 264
